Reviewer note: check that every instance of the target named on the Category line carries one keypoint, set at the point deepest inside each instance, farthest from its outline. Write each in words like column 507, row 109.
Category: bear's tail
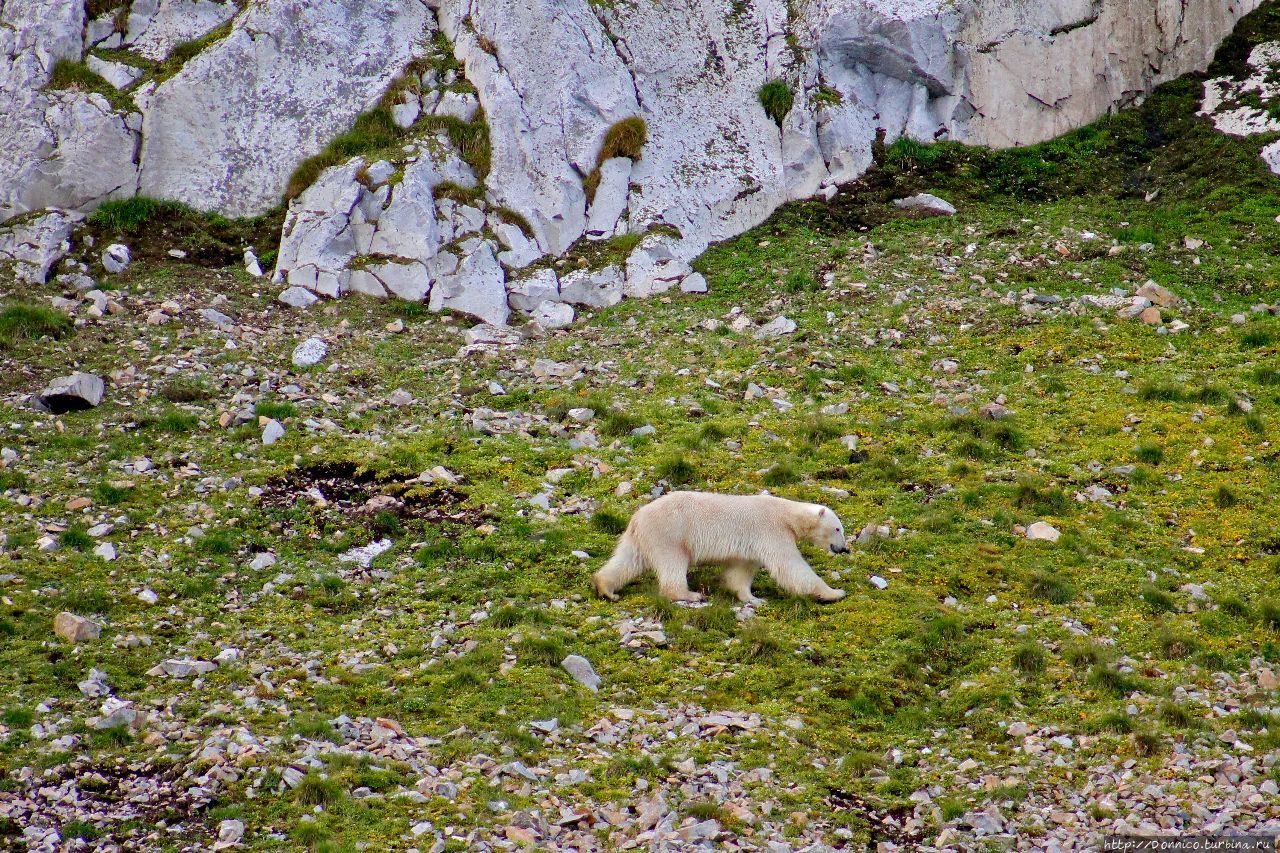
column 623, row 567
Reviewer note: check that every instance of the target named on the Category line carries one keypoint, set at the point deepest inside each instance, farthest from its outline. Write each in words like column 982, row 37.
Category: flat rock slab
column 582, row 671
column 72, row 393
column 310, row 352
column 75, row 629
column 927, row 204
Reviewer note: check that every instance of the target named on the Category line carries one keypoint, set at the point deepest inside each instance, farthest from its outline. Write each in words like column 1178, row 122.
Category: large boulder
column 156, row 27
column 65, row 149
column 226, row 131
column 32, row 244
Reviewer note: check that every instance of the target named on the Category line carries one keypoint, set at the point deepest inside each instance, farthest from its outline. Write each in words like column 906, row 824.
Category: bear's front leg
column 795, row 576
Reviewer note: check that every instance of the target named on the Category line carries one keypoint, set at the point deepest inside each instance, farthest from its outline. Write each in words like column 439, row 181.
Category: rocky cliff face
column 499, row 164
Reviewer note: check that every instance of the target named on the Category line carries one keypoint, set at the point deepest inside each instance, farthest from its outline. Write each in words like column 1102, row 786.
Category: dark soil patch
column 882, row 824
column 343, row 489
column 151, row 228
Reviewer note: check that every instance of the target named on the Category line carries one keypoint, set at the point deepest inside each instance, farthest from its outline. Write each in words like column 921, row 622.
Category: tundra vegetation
column 989, row 681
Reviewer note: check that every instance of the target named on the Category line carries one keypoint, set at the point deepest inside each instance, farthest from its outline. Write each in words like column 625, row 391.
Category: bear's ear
column 822, row 512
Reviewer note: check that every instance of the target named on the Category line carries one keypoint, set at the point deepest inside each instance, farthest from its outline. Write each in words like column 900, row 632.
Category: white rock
column 155, row 27
column 272, row 432
column 610, row 200
column 297, row 297
column 694, row 283
column 309, row 353
column 32, row 245
column 775, row 328
column 879, row 582
column 116, row 258
column 552, row 315
column 582, row 671
column 73, row 393
column 226, row 131
column 148, row 596
column 926, row 203
column 106, row 551
column 1042, row 530
column 592, row 288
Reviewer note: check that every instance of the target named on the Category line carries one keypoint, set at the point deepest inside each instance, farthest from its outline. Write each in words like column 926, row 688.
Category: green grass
column 68, row 74
column 625, row 138
column 776, row 98
column 22, row 321
column 458, row 632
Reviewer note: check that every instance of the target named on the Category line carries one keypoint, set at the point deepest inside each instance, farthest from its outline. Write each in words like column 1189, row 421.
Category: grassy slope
column 881, row 670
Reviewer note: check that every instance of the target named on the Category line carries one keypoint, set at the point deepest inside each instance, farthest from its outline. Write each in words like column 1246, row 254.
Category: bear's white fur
column 741, row 533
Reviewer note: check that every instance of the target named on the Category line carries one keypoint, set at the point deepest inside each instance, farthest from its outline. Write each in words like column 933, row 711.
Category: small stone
column 775, row 328
column 926, row 203
column 262, row 561
column 396, row 326
column 400, row 397
column 106, row 551
column 1018, row 730
column 148, row 596
column 216, row 317
column 694, row 283
column 581, row 415
column 272, row 432
column 75, row 629
column 553, row 315
column 1158, row 295
column 1151, row 316
column 310, row 352
column 878, row 582
column 297, row 297
column 582, row 671
column 116, row 258
column 1044, row 531
column 229, row 831
column 251, row 265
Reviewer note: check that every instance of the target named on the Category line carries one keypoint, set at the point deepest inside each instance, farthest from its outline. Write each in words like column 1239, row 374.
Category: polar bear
column 740, row 533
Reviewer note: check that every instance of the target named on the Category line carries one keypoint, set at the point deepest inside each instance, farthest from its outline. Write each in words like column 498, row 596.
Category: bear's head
column 827, row 531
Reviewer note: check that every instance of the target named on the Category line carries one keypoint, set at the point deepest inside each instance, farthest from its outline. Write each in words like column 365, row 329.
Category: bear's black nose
column 835, row 550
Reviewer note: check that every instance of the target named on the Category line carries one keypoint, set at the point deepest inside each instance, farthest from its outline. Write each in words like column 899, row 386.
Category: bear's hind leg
column 671, row 565
column 737, row 579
